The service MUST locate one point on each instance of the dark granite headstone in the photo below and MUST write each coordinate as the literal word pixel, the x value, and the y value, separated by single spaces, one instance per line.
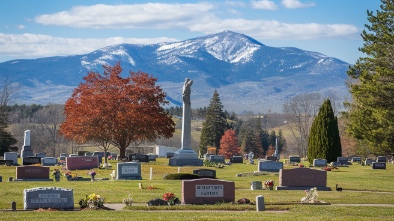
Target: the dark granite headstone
pixel 319 162
pixel 236 159
pixel 272 158
pixel 295 159
pixel 170 154
pixel 205 173
pixel 368 162
pixel 138 157
pixel 216 159
pixel 342 160
pixel 356 159
pixel 379 165
pixel 382 159
pixel 31 160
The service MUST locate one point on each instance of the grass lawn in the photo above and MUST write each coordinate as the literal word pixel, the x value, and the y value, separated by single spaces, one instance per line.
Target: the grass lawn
pixel 361 185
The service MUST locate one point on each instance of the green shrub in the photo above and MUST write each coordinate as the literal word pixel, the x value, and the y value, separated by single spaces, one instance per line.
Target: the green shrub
pixel 181 176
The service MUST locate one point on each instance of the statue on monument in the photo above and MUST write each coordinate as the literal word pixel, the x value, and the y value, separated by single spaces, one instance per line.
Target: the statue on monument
pixel 187 91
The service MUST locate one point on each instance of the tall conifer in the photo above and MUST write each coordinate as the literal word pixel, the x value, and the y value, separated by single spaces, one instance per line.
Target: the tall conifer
pixel 214 125
pixel 324 141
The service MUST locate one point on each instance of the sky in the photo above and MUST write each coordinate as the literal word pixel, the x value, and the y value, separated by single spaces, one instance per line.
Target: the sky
pixel 34 29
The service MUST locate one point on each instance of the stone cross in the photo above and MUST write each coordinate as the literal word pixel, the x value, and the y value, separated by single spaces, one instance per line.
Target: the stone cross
pixel 186 118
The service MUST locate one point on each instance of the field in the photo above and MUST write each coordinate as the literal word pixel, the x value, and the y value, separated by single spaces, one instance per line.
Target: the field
pixel 368 195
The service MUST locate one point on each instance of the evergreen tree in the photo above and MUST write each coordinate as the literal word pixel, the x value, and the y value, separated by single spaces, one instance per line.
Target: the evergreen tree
pixel 7 140
pixel 214 125
pixel 324 141
pixel 371 112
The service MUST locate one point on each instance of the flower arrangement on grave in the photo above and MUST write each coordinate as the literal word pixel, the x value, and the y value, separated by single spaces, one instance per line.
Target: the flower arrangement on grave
pixel 128 201
pixel 170 198
pixel 311 196
pixel 93 201
pixel 269 184
pixel 301 165
pixel 92 173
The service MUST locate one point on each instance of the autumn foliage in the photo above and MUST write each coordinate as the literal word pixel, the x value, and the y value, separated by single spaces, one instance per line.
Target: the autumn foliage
pixel 110 109
pixel 229 145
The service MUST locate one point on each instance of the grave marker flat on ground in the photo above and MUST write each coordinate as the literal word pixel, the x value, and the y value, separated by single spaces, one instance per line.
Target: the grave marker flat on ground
pixel 206 173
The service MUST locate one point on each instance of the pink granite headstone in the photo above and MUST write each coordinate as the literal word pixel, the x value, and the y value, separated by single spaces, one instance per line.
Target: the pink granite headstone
pixel 207 191
pixel 82 162
pixel 32 172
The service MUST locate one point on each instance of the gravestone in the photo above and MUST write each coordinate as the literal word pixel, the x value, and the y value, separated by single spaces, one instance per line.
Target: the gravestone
pixel 335 164
pixel 31 160
pixel 295 159
pixel 87 154
pixel 319 162
pixel 207 191
pixel 205 173
pixel 170 154
pixel 48 197
pixel 49 161
pixel 256 185
pixel 152 157
pixel 368 162
pixel 162 151
pixel 207 156
pixel 26 149
pixel 128 171
pixel 11 156
pixel 138 157
pixel 302 179
pixel 32 173
pixel 82 162
pixel 272 158
pixel 379 165
pixel 356 159
pixel 40 155
pixel 73 155
pixel 270 166
pixel 216 159
pixel 236 159
pixel 382 159
pixel 342 160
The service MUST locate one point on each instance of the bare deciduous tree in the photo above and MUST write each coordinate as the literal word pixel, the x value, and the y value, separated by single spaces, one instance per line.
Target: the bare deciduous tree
pixel 48 120
pixel 300 111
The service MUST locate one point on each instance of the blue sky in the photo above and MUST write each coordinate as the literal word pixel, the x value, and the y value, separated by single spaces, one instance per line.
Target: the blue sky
pixel 33 29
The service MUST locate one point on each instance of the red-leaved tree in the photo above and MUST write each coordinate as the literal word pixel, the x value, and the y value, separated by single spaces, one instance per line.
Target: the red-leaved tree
pixel 110 110
pixel 229 144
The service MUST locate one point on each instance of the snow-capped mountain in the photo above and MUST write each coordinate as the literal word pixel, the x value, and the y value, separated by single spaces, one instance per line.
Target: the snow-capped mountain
pixel 247 74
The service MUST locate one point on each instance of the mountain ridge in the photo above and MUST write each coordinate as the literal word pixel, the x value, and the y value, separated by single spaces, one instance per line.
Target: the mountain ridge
pixel 247 74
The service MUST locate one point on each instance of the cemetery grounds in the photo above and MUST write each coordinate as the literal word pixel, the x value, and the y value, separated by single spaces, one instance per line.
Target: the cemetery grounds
pixel 367 195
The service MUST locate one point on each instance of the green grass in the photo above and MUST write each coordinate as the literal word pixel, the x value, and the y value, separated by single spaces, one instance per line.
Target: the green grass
pixel 361 184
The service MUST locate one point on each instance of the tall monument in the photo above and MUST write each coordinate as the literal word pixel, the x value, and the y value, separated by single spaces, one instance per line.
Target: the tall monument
pixel 26 149
pixel 186 156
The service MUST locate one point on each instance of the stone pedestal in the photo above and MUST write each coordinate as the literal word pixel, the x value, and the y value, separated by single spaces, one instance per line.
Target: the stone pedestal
pixel 26 152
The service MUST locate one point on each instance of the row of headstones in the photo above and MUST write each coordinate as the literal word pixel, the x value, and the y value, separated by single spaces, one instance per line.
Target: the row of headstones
pixel 380 162
pixel 197 191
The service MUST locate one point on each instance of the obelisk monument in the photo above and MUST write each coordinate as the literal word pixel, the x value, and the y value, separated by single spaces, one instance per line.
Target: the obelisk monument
pixel 186 155
pixel 26 149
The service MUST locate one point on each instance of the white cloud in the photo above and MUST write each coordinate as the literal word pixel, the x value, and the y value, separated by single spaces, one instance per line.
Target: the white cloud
pixel 20 27
pixel 150 15
pixel 33 45
pixel 264 29
pixel 296 4
pixel 264 4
